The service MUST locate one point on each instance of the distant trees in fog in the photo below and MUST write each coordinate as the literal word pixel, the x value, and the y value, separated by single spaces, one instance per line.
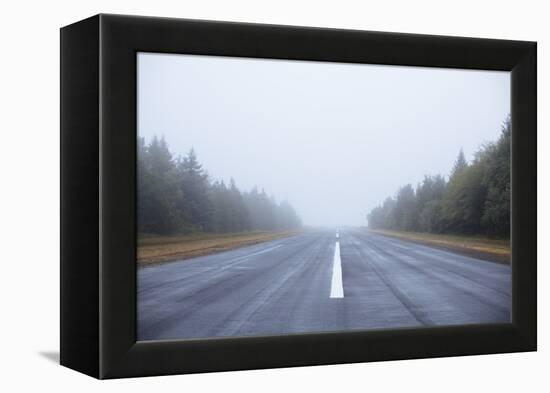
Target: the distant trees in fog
pixel 475 199
pixel 176 195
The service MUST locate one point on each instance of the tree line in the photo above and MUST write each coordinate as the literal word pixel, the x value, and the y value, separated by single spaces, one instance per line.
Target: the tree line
pixel 474 200
pixel 177 196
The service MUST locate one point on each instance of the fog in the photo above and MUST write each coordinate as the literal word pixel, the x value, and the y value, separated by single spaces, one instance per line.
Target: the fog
pixel 333 139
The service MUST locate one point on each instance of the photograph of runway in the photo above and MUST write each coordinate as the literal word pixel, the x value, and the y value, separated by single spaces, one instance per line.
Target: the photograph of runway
pixel 277 196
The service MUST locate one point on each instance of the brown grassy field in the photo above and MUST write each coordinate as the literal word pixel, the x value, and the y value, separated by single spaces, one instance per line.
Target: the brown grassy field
pixel 496 250
pixel 158 249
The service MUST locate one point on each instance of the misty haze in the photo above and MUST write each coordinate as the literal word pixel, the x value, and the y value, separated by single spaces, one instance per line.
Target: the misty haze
pixel 332 139
pixel 279 197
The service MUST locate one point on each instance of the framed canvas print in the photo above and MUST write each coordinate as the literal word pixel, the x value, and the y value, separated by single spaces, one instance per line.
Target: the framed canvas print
pixel 239 196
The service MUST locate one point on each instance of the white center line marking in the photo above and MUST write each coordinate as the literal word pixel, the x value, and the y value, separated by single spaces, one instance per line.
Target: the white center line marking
pixel 337 288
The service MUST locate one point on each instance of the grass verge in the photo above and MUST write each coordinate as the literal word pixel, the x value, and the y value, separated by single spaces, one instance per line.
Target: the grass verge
pixel 495 250
pixel 159 249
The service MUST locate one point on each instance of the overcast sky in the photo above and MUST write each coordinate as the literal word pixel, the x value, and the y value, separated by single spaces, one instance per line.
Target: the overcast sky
pixel 333 139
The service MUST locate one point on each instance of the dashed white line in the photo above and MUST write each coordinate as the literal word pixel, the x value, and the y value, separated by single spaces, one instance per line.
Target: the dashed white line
pixel 235 261
pixel 337 287
pixel 245 257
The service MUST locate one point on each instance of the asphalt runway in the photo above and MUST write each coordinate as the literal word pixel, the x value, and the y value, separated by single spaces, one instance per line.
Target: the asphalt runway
pixel 319 281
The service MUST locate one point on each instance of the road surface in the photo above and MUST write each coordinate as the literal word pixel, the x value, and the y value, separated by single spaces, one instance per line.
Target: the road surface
pixel 319 281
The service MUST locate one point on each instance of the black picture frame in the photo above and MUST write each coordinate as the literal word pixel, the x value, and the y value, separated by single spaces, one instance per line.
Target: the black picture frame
pixel 98 198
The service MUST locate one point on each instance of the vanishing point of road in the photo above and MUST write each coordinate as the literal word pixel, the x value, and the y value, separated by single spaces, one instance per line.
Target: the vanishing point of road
pixel 319 281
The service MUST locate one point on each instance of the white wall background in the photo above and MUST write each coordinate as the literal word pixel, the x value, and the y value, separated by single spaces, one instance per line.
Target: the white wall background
pixel 29 280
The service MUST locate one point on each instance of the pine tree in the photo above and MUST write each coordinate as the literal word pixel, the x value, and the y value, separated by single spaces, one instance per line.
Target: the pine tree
pixel 460 164
pixel 194 187
pixel 160 158
pixel 496 215
pixel 405 213
pixel 157 191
